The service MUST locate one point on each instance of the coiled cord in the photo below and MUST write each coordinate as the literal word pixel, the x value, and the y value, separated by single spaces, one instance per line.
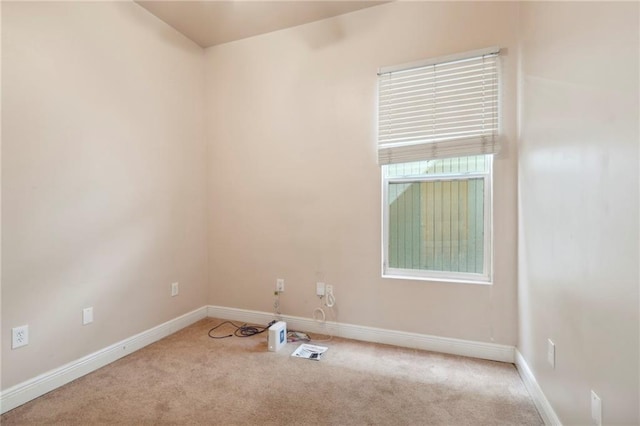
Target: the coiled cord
pixel 331 300
pixel 241 330
pixel 328 301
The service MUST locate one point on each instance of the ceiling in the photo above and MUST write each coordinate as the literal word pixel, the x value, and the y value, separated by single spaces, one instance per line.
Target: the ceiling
pixel 214 22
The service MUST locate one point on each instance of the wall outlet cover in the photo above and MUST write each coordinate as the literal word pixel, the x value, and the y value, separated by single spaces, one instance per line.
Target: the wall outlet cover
pixel 175 289
pixel 19 336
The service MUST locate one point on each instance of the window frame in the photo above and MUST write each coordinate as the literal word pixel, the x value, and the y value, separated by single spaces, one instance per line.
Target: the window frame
pixel 442 276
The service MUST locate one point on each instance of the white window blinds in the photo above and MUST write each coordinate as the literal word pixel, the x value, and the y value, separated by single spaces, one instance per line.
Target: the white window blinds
pixel 447 107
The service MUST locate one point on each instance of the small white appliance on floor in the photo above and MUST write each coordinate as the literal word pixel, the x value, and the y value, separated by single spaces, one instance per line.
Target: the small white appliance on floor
pixel 277 336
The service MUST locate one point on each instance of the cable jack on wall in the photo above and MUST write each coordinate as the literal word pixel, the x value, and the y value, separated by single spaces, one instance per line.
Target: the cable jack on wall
pixel 276 304
pixel 327 300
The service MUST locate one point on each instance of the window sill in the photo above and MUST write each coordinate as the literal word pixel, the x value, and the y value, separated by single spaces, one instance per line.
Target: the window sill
pixel 437 279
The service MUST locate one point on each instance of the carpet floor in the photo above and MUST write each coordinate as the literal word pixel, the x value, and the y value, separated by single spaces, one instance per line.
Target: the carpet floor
pixel 189 378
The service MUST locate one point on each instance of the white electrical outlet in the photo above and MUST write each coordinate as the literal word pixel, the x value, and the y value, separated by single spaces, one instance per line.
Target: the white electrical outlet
pixel 551 353
pixel 329 288
pixel 175 289
pixel 20 336
pixel 87 315
pixel 596 409
pixel 319 289
pixel 280 285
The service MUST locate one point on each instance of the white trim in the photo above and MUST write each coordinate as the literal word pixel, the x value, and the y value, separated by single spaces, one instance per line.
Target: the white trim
pixel 408 274
pixel 483 350
pixel 542 404
pixel 46 382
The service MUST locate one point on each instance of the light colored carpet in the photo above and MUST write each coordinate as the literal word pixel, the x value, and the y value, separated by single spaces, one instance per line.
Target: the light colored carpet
pixel 189 378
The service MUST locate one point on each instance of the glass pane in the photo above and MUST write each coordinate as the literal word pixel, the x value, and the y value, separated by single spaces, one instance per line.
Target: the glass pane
pixel 477 163
pixel 437 225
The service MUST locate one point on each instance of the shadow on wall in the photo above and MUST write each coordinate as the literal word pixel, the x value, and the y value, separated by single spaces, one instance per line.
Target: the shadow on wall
pixel 320 36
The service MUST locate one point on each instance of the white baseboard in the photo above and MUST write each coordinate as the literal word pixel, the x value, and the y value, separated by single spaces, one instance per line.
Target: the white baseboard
pixel 542 404
pixel 38 386
pixel 46 382
pixel 490 351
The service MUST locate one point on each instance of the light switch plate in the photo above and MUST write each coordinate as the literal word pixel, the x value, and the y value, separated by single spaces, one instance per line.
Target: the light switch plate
pixel 87 315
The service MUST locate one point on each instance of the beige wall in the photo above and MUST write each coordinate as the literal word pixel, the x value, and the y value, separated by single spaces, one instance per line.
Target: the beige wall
pixel 111 192
pixel 103 178
pixel 293 181
pixel 578 218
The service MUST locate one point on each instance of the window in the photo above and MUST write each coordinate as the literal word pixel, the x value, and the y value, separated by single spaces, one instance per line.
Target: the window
pixel 438 129
pixel 437 217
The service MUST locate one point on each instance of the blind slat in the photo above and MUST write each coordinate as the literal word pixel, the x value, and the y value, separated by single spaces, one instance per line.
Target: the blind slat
pixel 441 110
pixel 421 110
pixel 456 148
pixel 430 96
pixel 428 129
pixel 427 117
pixel 427 77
